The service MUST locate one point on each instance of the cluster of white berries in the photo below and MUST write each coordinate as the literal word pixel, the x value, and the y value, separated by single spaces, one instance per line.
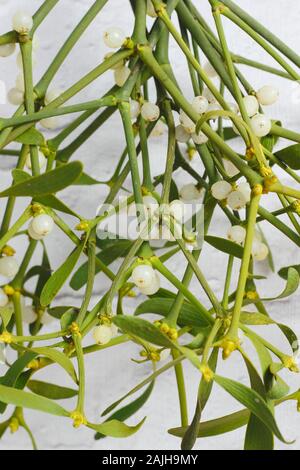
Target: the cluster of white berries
pixel 104 333
pixel 146 279
pixel 40 226
pixel 53 122
pixel 236 198
pixel 266 96
pixel 8 266
pixel 237 234
pixel 187 127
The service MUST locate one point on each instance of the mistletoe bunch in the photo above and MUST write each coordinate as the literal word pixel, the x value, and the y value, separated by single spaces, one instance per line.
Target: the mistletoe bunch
pixel 199 328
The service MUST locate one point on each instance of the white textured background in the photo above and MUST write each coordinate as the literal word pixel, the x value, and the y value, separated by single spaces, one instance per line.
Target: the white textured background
pixel 111 373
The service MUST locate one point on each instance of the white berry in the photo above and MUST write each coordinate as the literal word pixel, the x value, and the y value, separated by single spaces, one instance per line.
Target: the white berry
pixel 114 37
pixel 15 97
pixel 181 134
pixel 8 266
pixel 251 105
pixel 7 49
pixel 33 234
pixel 51 123
pixel 221 190
pixel 267 95
pixel 237 234
pixel 187 122
pixel 245 189
pixel 159 129
pixel 121 75
pixel 260 250
pixel 102 334
pixel 22 22
pixel 29 315
pixel 209 70
pixel 230 168
pixel 155 286
pixel 199 138
pixel 42 161
pixel 151 10
pixel 135 109
pixel 3 298
pixel 200 104
pixel 150 111
pixel 176 210
pixel 143 276
pixel 236 200
pixel 46 319
pixel 261 125
pixel 42 224
pixel 190 192
pixel 52 95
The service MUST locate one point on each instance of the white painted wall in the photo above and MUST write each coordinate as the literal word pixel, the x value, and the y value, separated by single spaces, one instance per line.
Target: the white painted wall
pixel 112 373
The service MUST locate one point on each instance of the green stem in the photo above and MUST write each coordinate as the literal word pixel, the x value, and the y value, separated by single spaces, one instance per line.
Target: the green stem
pixel 181 389
pixel 254 205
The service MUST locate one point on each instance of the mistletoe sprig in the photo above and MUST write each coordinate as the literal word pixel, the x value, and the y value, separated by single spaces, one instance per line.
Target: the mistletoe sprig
pixel 190 327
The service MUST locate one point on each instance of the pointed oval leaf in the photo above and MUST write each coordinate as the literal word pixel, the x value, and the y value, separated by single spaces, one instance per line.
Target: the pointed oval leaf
pixel 57 280
pixel 130 409
pixel 116 428
pixel 221 244
pixel 290 156
pixel 292 285
pixel 31 137
pixel 51 391
pixel 23 399
pixel 217 426
pixel 252 400
pixel 142 329
pixel 60 358
pixel 47 183
pixel 189 315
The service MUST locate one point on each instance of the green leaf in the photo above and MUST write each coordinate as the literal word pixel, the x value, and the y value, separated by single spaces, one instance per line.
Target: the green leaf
pixel 142 329
pixel 86 180
pixel 31 137
pixel 6 314
pixel 251 400
pixel 57 280
pixel 56 204
pixel 13 373
pixel 290 156
pixel 205 388
pixel 221 244
pixel 113 251
pixel 52 391
pixel 56 356
pixel 189 314
pixel 258 435
pixel 283 272
pixel 251 318
pixel 130 409
pixel 46 183
pixel 68 317
pixel 292 285
pixel 229 133
pixel 192 431
pixel 116 428
pixel 218 426
pixel 29 400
